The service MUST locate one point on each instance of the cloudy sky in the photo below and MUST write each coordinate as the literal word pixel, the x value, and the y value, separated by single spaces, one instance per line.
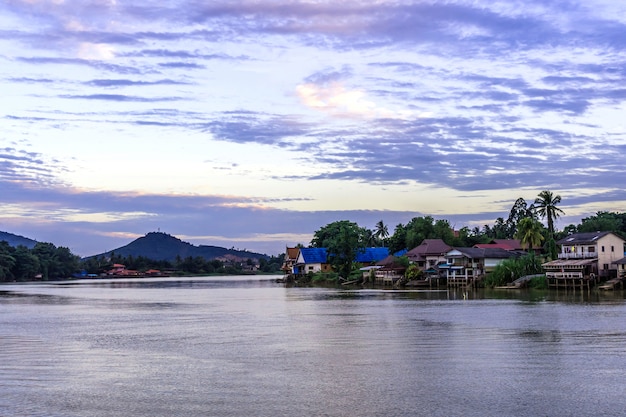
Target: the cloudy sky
pixel 251 124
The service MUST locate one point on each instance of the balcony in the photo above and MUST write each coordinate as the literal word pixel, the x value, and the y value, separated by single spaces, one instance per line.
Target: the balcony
pixel 577 255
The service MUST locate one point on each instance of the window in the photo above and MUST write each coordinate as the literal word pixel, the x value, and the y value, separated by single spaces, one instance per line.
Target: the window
pixel 591 249
pixel 605 267
pixel 612 248
pixel 602 249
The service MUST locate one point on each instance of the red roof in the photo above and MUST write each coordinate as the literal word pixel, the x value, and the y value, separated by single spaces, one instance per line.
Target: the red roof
pixel 493 245
pixel 514 244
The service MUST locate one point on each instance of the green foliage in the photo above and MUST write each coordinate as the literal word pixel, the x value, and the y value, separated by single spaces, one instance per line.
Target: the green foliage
pixel 413 273
pixel 418 229
pixel 26 264
pixel 539 283
pixel 546 207
pixel 323 278
pixel 550 249
pixel 343 240
pixel 511 269
pixel 7 261
pixel 529 233
pixel 403 260
pixel 604 221
pixel 381 234
pixel 397 241
pixel 22 264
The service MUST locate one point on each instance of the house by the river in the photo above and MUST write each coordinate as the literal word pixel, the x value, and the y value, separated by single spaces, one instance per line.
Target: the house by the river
pixel 584 259
pixel 468 266
pixel 302 261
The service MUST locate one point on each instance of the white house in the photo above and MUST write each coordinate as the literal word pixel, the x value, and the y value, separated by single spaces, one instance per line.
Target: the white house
pixel 586 256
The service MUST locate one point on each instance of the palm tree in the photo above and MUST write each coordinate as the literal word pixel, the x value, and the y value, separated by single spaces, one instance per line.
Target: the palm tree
pixel 382 232
pixel 546 206
pixel 529 233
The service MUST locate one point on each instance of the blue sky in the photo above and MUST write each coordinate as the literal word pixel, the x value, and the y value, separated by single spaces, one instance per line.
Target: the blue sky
pixel 251 124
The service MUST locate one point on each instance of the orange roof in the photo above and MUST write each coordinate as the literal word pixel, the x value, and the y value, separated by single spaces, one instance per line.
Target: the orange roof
pixel 292 253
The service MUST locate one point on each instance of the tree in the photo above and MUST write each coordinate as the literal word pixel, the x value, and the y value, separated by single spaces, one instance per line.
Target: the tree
pixel 382 232
pixel 603 221
pixel 26 264
pixel 397 241
pixel 501 229
pixel 529 233
pixel 343 240
pixel 442 230
pixel 418 229
pixel 546 206
pixel 7 261
pixel 519 211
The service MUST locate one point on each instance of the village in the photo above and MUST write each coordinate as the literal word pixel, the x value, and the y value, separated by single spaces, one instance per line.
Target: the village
pixel 584 261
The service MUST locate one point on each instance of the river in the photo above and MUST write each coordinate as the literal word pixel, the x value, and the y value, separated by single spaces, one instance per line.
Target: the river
pixel 247 346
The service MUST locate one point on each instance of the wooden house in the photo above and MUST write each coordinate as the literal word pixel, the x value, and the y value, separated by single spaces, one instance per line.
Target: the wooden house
pixel 429 254
pixel 291 257
pixel 467 266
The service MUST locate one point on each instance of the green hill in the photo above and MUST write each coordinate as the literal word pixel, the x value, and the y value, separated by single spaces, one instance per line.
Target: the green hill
pixel 16 240
pixel 163 247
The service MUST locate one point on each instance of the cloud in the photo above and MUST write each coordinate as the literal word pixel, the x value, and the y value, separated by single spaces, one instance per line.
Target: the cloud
pixel 91 51
pixel 337 100
pixel 133 83
pixel 119 97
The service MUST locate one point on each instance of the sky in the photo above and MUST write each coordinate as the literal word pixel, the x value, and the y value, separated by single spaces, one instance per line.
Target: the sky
pixel 252 124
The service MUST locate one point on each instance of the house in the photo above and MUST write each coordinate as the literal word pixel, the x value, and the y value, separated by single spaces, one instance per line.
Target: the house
pixel 429 254
pixel 584 259
pixel 311 260
pixel 388 271
pixel 467 266
pixel 291 256
pixel 299 261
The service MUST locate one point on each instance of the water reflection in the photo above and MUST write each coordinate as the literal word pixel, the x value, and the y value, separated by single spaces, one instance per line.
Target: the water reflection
pixel 215 346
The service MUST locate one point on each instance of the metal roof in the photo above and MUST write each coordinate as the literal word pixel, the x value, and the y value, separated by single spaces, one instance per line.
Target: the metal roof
pixel 558 263
pixel 582 238
pixel 480 253
pixel 314 255
pixel 372 255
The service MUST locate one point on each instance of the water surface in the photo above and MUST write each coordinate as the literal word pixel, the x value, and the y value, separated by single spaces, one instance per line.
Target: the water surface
pixel 242 346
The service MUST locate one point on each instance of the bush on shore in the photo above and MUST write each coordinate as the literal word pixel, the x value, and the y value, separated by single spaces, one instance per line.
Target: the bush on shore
pixel 511 269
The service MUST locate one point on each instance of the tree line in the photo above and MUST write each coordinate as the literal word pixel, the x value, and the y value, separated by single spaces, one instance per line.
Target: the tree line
pixel 46 261
pixel 196 265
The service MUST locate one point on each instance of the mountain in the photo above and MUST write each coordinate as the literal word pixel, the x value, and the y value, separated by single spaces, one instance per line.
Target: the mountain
pixel 16 240
pixel 163 247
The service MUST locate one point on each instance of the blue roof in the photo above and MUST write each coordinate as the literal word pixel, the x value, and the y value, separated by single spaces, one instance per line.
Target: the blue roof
pixel 313 255
pixel 320 255
pixel 372 255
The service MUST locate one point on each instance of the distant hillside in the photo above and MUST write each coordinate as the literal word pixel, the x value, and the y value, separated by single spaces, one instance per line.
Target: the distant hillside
pixel 163 247
pixel 16 240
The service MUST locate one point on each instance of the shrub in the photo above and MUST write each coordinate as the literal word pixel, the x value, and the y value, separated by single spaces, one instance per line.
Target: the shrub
pixel 511 269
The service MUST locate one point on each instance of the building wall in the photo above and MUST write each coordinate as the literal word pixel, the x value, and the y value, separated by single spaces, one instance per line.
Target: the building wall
pixel 610 249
